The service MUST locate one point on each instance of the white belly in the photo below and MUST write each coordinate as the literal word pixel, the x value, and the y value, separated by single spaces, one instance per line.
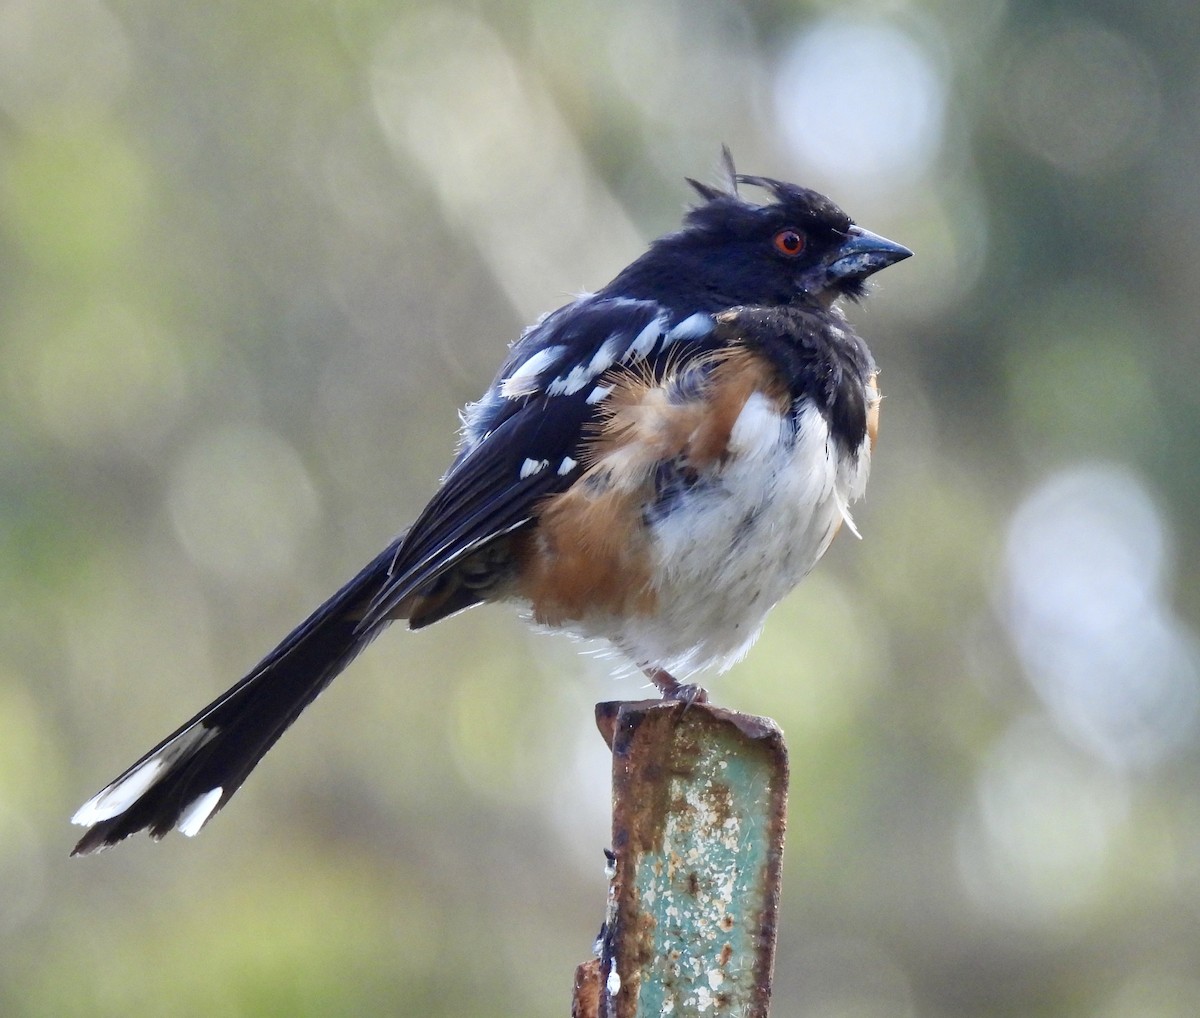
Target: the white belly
pixel 726 554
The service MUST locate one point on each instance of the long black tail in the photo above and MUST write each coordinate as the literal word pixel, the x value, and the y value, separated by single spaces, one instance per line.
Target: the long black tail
pixel 192 773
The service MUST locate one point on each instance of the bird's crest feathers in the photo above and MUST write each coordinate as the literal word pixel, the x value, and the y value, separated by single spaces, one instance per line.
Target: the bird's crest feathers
pixel 723 200
pixel 728 186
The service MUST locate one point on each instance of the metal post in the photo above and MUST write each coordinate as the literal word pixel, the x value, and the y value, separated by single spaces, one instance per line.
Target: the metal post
pixel 699 805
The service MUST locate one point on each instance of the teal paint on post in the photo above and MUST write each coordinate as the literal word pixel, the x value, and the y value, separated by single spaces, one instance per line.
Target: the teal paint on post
pixel 699 800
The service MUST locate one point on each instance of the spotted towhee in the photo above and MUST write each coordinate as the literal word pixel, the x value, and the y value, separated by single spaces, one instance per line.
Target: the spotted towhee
pixel 656 464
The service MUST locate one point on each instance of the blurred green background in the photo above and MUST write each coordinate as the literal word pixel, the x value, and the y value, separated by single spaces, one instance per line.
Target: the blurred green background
pixel 254 255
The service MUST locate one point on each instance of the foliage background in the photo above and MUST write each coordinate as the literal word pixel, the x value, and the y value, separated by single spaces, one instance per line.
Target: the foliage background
pixel 253 256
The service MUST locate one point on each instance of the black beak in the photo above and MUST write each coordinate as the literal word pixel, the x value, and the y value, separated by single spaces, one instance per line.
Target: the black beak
pixel 862 254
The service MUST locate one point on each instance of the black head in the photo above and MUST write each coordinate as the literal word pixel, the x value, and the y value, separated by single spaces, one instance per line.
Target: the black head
pixel 798 248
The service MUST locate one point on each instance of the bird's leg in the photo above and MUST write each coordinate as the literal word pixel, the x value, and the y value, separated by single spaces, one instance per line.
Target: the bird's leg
pixel 672 689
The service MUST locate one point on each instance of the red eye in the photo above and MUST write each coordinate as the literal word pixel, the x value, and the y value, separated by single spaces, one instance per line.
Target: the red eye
pixel 789 242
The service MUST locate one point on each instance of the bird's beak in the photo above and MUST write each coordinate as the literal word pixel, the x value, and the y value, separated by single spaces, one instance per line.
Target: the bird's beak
pixel 864 253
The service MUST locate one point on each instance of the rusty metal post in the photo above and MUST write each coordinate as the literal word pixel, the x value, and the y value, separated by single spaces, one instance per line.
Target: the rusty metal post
pixel 699 803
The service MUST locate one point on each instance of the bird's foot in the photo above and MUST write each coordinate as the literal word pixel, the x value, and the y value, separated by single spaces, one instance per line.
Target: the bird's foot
pixel 672 689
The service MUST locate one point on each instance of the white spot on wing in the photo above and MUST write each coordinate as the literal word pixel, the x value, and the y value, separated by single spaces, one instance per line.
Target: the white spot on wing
pixel 599 393
pixel 606 356
pixel 531 467
pixel 692 327
pixel 524 380
pixel 566 466
pixel 201 808
pixel 569 383
pixel 645 340
pixel 583 374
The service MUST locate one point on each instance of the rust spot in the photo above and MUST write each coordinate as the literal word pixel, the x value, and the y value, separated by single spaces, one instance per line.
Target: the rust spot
pixel 726 953
pixel 586 1000
pixel 726 924
pixel 693 884
pixel 720 801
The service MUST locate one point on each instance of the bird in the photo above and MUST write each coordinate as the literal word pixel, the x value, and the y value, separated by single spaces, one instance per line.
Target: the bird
pixel 655 464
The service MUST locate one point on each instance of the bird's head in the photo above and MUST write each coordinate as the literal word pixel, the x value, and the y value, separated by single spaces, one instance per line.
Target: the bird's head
pixel 797 248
